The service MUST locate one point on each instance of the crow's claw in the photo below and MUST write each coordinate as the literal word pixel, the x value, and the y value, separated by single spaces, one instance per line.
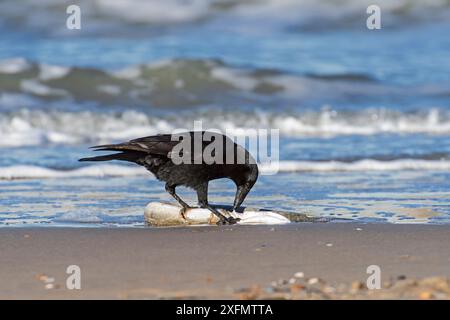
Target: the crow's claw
pixel 229 220
pixel 183 211
pixel 232 220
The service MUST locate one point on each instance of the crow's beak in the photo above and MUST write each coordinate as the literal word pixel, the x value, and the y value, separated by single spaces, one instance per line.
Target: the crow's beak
pixel 241 193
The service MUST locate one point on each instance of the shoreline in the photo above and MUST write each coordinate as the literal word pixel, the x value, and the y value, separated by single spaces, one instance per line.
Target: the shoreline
pixel 213 262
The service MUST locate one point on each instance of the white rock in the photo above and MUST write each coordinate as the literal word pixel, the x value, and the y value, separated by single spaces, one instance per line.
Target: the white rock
pixel 49 280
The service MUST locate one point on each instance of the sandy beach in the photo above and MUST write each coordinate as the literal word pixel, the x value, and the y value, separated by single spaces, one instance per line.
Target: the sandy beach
pixel 237 262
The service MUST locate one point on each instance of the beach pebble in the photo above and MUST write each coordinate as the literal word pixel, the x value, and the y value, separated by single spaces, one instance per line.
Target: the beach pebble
pixel 49 286
pixel 357 285
pixel 269 290
pixel 436 283
pixel 292 280
pixel 49 280
pixel 317 288
pixel 426 295
pixel 329 244
pixel 440 296
pixel 299 275
pixel 329 289
pixel 41 277
pixel 297 287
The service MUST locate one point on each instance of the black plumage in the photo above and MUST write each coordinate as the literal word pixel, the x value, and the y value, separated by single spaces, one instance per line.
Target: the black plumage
pixel 161 154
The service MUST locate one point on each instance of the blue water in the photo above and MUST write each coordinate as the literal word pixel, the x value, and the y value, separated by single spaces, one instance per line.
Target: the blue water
pixel 363 114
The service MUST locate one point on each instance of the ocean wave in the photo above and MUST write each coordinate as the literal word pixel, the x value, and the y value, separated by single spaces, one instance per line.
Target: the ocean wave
pixel 37 172
pixel 38 127
pixel 361 165
pixel 105 15
pixel 182 84
pixel 161 84
pixel 109 170
pixel 174 83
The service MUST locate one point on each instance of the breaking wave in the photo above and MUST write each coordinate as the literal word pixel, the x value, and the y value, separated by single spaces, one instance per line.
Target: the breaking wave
pixel 362 165
pixel 186 84
pixel 37 172
pixel 177 83
pixel 104 15
pixel 38 127
pixel 107 170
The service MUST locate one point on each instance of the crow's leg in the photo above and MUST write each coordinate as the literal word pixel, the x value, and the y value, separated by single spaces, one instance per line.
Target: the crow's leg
pixel 171 190
pixel 202 194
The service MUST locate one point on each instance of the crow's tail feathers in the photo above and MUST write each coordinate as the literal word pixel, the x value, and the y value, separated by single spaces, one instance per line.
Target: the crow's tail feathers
pixel 124 156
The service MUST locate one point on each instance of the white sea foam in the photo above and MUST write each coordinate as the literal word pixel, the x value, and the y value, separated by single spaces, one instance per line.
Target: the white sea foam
pixel 234 76
pixel 36 172
pixel 145 85
pixel 154 11
pixel 13 65
pixel 112 170
pixel 362 165
pixel 79 216
pixel 105 15
pixel 34 87
pixel 48 72
pixel 38 127
pixel 180 11
pixel 109 89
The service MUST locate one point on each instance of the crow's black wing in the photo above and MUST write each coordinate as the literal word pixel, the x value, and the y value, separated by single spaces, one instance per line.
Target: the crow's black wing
pixel 158 145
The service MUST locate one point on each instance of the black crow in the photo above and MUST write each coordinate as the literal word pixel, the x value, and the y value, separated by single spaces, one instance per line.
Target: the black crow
pixel 190 159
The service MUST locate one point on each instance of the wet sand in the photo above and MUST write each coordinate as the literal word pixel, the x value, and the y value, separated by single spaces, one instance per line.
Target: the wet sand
pixel 218 262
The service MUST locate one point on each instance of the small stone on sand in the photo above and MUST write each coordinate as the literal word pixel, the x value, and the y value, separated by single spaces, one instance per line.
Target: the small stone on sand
pixel 425 295
pixel 49 280
pixel 357 285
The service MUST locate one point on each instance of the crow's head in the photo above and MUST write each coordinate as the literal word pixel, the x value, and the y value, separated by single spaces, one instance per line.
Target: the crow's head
pixel 248 174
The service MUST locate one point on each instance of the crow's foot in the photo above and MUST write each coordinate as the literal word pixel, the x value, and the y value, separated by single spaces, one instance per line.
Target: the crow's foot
pixel 227 220
pixel 183 211
pixel 222 219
